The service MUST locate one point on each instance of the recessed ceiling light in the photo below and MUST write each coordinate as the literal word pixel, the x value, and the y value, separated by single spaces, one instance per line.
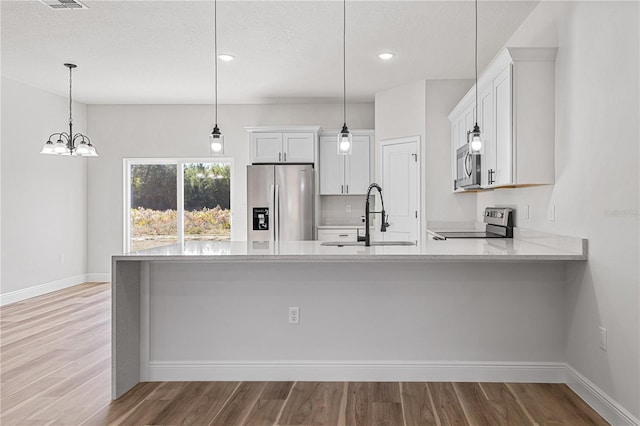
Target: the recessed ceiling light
pixel 226 58
pixel 386 55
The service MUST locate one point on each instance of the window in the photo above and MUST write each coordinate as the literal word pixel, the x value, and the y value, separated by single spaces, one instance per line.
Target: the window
pixel 170 201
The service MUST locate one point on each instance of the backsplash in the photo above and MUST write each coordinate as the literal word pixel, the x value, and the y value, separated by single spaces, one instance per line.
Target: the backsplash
pixel 333 209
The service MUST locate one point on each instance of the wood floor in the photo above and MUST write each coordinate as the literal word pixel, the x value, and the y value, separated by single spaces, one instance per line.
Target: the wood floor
pixel 55 370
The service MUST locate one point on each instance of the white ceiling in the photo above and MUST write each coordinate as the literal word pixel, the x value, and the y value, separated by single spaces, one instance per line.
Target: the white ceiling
pixel 162 51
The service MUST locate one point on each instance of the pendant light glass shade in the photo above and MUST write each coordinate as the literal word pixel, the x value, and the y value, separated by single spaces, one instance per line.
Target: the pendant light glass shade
pixel 345 141
pixel 475 140
pixel 216 142
pixel 47 148
pixel 83 148
pixel 60 147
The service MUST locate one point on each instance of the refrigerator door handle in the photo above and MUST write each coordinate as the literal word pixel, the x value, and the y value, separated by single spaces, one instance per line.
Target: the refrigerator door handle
pixel 272 215
pixel 276 219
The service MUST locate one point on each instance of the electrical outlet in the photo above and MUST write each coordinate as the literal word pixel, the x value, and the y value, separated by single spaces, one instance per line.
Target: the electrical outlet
pixel 294 315
pixel 551 213
pixel 348 208
pixel 603 338
pixel 525 212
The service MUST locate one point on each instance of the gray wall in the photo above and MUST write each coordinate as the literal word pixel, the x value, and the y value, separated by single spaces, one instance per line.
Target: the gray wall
pixel 44 197
pixel 127 131
pixel 597 182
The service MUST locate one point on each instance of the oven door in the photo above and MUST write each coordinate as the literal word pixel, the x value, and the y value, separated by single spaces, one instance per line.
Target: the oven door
pixel 468 169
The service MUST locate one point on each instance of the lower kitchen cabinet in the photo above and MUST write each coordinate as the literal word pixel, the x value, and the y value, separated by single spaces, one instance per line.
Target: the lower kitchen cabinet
pixel 338 234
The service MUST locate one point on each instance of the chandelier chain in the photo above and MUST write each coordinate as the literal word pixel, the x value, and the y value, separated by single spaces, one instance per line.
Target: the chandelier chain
pixel 70 116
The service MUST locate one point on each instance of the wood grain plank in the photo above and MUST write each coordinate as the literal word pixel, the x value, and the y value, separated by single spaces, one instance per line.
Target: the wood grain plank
pixel 359 410
pixel 313 403
pixel 553 404
pixel 418 407
pixel 475 405
pixel 504 404
pixel 117 411
pixel 268 406
pixel 387 414
pixel 446 403
pixel 237 408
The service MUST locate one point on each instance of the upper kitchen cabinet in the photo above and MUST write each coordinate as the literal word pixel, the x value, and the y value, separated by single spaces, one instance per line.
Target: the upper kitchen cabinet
pixel 283 144
pixel 516 104
pixel 346 174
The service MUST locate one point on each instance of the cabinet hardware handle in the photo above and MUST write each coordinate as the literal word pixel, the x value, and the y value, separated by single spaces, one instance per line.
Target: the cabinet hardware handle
pixel 285 156
pixel 347 189
pixel 491 178
pixel 279 156
pixel 342 189
pixel 343 235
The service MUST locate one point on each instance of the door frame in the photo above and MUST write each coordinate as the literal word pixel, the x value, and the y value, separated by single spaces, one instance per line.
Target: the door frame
pixel 397 141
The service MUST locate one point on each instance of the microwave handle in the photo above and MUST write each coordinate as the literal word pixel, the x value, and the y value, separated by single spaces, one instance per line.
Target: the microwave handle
pixel 467 164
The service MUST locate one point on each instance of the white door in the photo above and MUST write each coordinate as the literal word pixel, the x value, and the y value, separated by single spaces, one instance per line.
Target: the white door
pixel 298 147
pixel 358 166
pixel 503 120
pixel 401 188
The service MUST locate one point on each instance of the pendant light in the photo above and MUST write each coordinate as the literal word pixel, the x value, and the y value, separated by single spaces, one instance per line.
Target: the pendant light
pixel 475 143
pixel 345 139
pixel 65 143
pixel 216 139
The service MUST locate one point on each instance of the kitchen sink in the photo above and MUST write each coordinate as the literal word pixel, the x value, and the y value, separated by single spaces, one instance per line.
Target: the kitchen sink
pixel 373 243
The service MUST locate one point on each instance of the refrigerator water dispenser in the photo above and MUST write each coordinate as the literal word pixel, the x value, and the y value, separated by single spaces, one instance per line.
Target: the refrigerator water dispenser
pixel 260 218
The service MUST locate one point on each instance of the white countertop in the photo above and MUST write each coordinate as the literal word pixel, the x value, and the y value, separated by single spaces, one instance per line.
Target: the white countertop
pixel 427 250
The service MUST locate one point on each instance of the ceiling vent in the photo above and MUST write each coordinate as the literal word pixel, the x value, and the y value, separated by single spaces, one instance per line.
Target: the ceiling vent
pixel 64 4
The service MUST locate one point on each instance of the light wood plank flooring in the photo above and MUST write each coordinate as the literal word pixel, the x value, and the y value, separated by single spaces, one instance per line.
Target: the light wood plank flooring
pixel 55 370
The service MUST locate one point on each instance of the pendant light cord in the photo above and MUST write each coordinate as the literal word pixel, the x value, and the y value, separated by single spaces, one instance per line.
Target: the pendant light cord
pixel 215 58
pixel 476 61
pixel 70 116
pixel 344 60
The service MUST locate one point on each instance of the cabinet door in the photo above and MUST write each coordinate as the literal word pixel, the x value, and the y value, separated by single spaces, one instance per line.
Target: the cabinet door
pixel 462 131
pixel 266 147
pixel 503 130
pixel 358 166
pixel 331 167
pixel 486 118
pixel 298 148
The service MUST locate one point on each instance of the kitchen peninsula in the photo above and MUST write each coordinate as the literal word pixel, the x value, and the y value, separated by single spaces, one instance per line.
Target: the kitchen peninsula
pixel 218 311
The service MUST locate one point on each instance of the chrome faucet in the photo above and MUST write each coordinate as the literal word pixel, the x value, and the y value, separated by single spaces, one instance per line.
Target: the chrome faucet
pixel 368 212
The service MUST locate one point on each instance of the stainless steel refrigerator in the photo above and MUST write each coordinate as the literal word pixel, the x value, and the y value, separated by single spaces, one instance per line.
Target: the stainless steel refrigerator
pixel 280 201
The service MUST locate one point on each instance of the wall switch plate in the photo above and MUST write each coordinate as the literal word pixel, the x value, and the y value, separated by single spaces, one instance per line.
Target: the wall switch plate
pixel 551 213
pixel 294 315
pixel 603 338
pixel 525 211
pixel 348 208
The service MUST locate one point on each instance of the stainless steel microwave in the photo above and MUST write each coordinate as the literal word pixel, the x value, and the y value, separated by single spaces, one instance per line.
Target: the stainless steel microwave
pixel 468 169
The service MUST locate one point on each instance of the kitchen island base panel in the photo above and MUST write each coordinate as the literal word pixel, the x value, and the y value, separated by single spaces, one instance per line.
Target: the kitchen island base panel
pixel 360 321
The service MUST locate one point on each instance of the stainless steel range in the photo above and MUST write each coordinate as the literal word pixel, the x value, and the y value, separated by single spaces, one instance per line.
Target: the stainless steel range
pixel 499 224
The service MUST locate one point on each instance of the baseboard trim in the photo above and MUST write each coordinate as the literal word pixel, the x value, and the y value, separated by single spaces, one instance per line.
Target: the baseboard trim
pixel 40 289
pixel 98 277
pixel 606 406
pixel 550 372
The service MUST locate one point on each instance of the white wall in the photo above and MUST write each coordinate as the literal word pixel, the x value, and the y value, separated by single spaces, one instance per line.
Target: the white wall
pixel 125 131
pixel 44 197
pixel 421 109
pixel 597 182
pixel 442 204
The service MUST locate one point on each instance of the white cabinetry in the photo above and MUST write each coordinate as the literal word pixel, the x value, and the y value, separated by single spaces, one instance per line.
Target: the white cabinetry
pixel 345 174
pixel 516 100
pixel 283 145
pixel 341 234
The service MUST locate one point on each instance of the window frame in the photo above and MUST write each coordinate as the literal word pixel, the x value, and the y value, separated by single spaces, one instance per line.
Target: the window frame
pixel 179 163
